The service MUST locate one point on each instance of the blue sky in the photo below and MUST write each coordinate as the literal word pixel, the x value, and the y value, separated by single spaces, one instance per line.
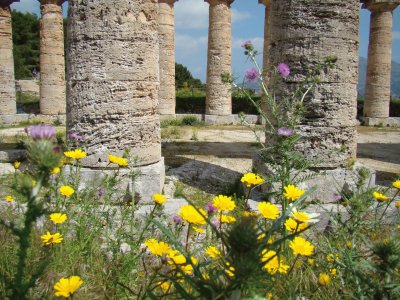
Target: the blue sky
pixel 191 23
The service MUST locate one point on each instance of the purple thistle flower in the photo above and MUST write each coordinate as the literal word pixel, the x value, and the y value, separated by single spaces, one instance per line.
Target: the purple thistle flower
pixel 210 208
pixel 283 70
pixel 337 197
pixel 100 192
pixel 215 223
pixel 252 75
pixel 246 44
pixel 177 220
pixel 56 149
pixel 286 132
pixel 74 136
pixel 41 132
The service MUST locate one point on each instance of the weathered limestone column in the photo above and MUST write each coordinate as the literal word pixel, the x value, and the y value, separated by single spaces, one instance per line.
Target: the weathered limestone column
pixel 219 98
pixel 267 25
pixel 52 64
pixel 302 37
pixel 8 104
pixel 266 66
pixel 377 96
pixel 166 30
pixel 112 84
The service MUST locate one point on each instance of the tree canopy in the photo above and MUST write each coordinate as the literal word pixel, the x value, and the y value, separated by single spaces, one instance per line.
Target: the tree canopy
pixel 26 39
pixel 183 78
pixel 26 44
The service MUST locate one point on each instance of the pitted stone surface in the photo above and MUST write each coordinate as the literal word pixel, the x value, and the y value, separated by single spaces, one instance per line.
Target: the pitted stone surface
pixel 166 104
pixel 377 93
pixel 300 37
pixel 113 78
pixel 52 63
pixel 7 79
pixel 218 94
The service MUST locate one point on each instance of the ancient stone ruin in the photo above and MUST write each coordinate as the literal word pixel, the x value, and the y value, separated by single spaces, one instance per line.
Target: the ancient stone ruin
pixel 120 71
pixel 52 64
pixel 377 94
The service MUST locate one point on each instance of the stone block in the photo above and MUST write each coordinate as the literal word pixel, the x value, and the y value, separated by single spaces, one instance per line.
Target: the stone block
pixel 8 120
pixel 230 119
pixel 11 156
pixel 381 122
pixel 150 179
pixel 6 169
pixel 327 182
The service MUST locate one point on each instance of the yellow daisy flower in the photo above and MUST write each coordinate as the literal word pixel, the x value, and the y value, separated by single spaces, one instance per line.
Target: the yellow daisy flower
pixel 157 248
pixel 213 252
pixel 75 154
pixel 159 198
pixel 9 198
pixel 301 246
pixel 251 179
pixel 223 203
pixel 226 219
pixel 120 161
pixel 268 210
pixel 165 286
pixel 58 218
pixel 380 197
pixel 49 239
pixel 66 190
pixel 324 279
pixel 292 226
pixel 292 192
pixel 396 184
pixel 55 170
pixel 17 164
pixel 274 263
pixel 65 287
pixel 193 216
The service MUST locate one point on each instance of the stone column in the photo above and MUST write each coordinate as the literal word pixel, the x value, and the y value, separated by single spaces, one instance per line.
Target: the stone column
pixel 267 18
pixel 302 37
pixel 219 98
pixel 7 79
pixel 52 64
pixel 266 66
pixel 377 95
pixel 112 84
pixel 166 30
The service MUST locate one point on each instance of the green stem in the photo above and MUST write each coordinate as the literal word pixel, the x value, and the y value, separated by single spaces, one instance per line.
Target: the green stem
pixel 32 213
pixel 147 223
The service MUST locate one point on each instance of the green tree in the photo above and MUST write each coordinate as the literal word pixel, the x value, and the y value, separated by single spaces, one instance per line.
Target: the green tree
pixel 26 43
pixel 183 78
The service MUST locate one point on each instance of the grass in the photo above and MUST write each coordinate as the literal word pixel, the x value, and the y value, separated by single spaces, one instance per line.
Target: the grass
pixel 27 98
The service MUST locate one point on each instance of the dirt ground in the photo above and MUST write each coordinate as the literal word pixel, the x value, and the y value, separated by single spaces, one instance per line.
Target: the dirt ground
pixel 229 149
pixel 232 148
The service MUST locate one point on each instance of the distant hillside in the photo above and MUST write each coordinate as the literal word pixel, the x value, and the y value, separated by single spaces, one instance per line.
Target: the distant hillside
pixel 395 79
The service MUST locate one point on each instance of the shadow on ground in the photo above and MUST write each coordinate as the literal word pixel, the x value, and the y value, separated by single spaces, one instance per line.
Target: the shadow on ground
pixel 382 152
pixel 198 164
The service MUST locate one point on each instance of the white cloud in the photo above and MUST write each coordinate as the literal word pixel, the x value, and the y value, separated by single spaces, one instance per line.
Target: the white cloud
pixel 396 35
pixel 189 44
pixel 239 16
pixel 191 14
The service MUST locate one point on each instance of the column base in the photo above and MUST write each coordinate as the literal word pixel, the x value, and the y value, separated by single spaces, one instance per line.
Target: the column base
pixel 230 119
pixel 381 122
pixel 327 182
pixel 149 181
pixel 11 120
